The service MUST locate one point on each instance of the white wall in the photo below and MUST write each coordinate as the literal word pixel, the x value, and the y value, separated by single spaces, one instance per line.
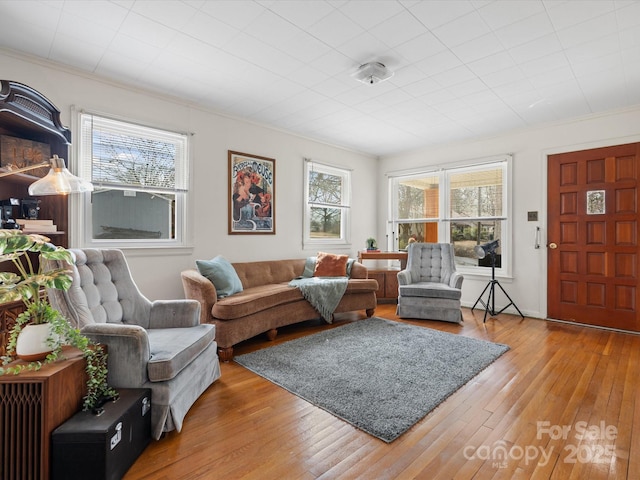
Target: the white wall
pixel 530 148
pixel 158 272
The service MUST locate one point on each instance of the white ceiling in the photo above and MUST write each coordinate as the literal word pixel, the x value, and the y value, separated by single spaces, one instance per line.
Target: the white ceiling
pixel 463 68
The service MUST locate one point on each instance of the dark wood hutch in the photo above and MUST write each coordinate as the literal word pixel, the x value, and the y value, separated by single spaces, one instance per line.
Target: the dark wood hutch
pixel 26 114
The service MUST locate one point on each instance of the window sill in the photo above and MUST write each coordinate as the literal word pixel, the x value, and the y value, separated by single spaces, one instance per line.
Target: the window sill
pixel 151 251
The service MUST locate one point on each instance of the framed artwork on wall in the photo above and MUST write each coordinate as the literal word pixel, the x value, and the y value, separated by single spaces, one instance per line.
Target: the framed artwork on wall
pixel 252 181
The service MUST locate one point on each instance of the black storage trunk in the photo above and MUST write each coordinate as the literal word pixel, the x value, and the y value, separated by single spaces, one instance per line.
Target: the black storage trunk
pixel 103 446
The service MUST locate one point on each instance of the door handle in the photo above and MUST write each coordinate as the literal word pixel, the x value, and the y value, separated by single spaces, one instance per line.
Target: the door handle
pixel 553 246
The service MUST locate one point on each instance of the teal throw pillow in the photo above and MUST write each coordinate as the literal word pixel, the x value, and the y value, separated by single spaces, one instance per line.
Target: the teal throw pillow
pixel 222 274
pixel 309 266
pixel 349 265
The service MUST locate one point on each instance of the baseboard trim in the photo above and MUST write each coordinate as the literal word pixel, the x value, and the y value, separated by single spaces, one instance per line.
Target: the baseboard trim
pixel 598 327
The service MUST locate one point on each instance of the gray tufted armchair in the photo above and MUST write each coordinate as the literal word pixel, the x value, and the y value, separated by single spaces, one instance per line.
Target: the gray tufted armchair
pixel 159 345
pixel 429 287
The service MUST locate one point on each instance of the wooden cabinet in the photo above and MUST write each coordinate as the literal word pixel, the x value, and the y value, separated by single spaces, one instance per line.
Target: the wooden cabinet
pixel 387 284
pixel 387 277
pixel 32 405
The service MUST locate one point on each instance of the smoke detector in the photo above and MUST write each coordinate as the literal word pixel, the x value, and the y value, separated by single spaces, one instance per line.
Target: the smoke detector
pixel 371 73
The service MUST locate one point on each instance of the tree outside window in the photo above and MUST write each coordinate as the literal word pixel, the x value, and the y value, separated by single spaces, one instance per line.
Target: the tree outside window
pixel 327 204
pixel 465 206
pixel 140 180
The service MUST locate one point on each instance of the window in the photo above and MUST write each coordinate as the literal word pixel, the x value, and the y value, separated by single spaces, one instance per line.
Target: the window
pixel 465 206
pixel 140 176
pixel 327 198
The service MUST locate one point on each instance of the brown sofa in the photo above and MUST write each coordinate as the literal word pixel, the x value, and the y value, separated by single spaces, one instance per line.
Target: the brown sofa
pixel 267 302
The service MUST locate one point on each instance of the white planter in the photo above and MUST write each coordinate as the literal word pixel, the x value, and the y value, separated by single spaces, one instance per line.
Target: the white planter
pixel 32 342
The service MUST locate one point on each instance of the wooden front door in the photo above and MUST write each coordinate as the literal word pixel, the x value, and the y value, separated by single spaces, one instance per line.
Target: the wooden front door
pixel 592 243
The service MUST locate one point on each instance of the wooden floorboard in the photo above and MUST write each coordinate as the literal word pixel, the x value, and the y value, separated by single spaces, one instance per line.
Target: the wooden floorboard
pixel 560 404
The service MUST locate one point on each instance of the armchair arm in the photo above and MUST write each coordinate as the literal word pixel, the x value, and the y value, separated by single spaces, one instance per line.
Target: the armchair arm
pixel 174 314
pixel 198 287
pixel 456 280
pixel 404 277
pixel 127 350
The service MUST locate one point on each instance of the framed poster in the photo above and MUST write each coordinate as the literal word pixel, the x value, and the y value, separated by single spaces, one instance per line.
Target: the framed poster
pixel 252 181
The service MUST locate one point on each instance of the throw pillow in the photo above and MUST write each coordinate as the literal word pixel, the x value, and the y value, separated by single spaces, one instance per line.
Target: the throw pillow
pixel 350 263
pixel 330 265
pixel 309 267
pixel 222 274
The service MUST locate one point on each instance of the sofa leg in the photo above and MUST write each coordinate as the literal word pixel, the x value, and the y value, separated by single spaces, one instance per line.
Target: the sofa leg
pixel 225 354
pixel 370 312
pixel 271 334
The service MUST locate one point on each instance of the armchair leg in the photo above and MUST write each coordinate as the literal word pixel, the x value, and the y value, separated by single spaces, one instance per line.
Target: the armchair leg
pixel 225 354
pixel 370 312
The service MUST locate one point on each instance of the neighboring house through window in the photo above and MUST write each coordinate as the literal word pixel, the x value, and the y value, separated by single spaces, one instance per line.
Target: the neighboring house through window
pixel 140 176
pixel 465 205
pixel 327 203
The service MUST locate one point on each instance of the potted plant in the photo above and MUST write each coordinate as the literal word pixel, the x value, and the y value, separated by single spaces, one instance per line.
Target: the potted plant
pixel 28 285
pixel 372 244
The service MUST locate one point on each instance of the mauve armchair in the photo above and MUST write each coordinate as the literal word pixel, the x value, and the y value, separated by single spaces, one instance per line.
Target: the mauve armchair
pixel 159 345
pixel 429 287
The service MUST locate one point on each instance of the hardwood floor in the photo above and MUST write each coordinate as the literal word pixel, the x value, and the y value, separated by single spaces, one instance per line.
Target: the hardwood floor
pixel 561 404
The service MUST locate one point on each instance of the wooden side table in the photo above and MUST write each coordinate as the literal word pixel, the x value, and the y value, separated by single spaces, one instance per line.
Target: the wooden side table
pixel 387 277
pixel 32 405
pixel 379 255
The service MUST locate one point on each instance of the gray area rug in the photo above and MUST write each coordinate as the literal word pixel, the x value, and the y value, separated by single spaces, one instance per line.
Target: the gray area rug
pixel 380 376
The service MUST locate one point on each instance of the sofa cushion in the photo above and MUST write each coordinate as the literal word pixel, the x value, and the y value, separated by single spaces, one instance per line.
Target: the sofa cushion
pixel 361 285
pixel 330 265
pixel 268 272
pixel 255 299
pixel 222 274
pixel 430 290
pixel 172 349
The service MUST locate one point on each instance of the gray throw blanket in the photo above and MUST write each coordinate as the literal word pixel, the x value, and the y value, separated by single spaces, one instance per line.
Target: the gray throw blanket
pixel 323 293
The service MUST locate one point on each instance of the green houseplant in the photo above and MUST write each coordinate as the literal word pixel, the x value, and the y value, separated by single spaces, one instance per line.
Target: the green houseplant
pixel 372 243
pixel 28 285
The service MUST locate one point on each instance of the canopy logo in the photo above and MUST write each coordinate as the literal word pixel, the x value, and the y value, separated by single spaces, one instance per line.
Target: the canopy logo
pixel 594 443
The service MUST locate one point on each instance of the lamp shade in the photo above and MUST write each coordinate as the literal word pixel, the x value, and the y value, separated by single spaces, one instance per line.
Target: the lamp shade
pixel 482 251
pixel 59 181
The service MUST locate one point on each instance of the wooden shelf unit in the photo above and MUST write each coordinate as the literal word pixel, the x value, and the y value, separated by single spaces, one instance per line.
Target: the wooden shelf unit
pixel 26 114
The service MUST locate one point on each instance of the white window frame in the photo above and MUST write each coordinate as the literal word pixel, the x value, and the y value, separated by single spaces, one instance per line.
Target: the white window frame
pixel 444 218
pixel 345 207
pixel 81 206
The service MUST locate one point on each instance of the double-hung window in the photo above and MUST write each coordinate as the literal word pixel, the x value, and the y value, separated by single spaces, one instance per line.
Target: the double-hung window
pixel 327 202
pixel 140 178
pixel 465 206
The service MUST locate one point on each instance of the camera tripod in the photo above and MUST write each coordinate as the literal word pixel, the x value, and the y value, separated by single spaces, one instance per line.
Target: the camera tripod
pixel 490 304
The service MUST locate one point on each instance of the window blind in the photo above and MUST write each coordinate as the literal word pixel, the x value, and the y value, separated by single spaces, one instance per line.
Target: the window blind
pixel 132 157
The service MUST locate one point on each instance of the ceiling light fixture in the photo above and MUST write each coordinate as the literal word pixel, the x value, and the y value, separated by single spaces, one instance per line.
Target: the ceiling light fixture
pixel 372 72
